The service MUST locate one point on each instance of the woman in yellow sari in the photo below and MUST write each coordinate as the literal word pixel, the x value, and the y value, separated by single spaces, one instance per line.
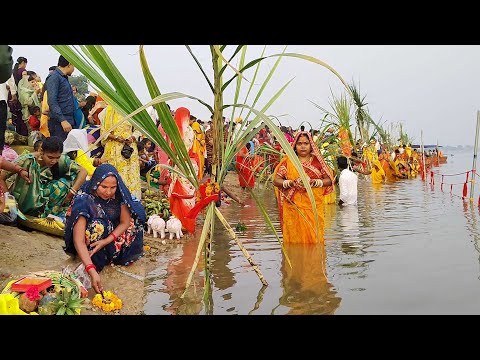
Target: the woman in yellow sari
pixel 129 169
pixel 199 146
pixel 297 218
pixel 377 172
pixel 44 118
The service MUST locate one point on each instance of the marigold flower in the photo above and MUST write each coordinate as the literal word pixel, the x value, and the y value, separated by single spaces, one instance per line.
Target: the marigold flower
pixel 110 302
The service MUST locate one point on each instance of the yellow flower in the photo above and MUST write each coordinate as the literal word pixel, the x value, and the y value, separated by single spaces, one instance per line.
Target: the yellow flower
pixel 146 248
pixel 108 303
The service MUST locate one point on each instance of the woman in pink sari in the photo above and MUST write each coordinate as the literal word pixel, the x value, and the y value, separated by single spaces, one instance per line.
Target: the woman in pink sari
pixel 182 191
pixel 161 158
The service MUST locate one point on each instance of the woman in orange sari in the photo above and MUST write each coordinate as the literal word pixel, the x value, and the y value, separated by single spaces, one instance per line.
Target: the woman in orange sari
pixel 297 218
pixel 182 191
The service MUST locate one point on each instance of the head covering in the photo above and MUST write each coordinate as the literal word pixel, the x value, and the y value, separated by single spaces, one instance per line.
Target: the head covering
pixel 378 164
pixel 105 170
pixel 318 156
pixel 77 139
pixel 182 118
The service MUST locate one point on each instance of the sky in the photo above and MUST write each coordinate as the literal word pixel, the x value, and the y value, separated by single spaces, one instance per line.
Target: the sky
pixel 433 88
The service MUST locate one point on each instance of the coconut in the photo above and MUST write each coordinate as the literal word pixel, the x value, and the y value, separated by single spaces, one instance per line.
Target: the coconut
pixel 26 304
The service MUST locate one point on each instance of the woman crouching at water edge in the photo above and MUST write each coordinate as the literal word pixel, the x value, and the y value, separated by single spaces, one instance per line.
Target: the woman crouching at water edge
pixel 104 224
pixel 296 212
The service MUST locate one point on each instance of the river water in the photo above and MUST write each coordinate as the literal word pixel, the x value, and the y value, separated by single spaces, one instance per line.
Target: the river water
pixel 406 248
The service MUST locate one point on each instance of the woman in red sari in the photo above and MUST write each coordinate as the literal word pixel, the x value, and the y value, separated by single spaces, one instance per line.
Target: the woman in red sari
pixel 297 218
pixel 246 177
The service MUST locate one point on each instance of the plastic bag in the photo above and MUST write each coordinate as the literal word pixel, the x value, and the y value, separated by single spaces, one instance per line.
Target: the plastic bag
pixel 9 214
pixel 83 276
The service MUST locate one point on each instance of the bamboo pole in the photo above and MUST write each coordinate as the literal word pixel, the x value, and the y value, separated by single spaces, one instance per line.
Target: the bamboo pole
pixel 474 166
pixel 244 251
pixel 423 158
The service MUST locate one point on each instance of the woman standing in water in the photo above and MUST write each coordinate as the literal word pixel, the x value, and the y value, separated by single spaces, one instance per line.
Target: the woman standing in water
pixel 297 217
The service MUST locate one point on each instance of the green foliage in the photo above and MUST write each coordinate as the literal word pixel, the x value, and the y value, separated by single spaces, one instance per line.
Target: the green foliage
pixel 67 303
pixel 81 82
pixel 240 227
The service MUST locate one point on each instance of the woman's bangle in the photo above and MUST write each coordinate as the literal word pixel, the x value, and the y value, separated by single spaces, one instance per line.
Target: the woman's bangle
pixel 73 191
pixel 287 184
pixel 318 183
pixel 90 266
pixel 19 170
pixel 114 236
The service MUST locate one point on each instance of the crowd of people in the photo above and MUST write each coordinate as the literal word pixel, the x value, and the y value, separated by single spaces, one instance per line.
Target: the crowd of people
pixel 96 189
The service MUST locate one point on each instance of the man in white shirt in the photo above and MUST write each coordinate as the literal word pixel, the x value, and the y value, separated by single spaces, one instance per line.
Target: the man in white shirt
pixel 3 107
pixel 153 114
pixel 347 183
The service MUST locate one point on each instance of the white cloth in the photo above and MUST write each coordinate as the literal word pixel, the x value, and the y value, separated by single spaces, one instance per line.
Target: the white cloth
pixel 77 139
pixel 3 89
pixel 153 113
pixel 348 187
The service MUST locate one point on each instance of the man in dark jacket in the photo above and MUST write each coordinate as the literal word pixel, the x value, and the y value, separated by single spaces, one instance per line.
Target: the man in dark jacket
pixel 60 99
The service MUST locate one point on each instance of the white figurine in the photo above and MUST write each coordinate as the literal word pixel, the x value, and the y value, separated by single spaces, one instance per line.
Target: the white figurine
pixel 174 227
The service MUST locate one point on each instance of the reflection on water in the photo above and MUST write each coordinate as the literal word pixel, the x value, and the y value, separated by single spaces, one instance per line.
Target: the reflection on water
pixel 306 289
pixel 406 248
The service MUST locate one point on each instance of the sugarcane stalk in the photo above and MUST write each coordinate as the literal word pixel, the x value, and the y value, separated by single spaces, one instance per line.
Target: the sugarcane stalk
pixel 217 121
pixel 207 289
pixel 261 292
pixel 205 233
pixel 244 251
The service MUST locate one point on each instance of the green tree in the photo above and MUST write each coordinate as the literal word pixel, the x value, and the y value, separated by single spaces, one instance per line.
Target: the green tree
pixel 81 82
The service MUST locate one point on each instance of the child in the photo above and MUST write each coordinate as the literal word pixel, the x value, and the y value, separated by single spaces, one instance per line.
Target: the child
pixel 34 122
pixel 145 156
pixel 149 148
pixel 142 156
pixel 37 146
